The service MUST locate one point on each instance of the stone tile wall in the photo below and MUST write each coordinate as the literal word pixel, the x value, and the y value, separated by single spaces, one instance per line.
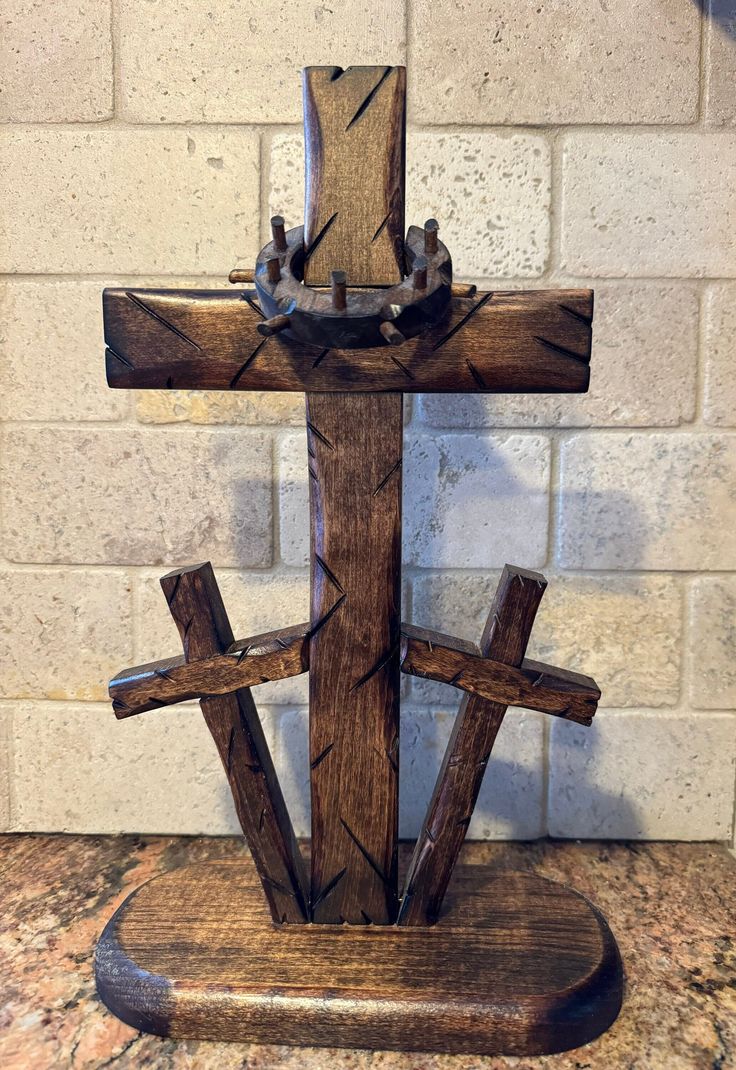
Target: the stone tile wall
pixel 146 145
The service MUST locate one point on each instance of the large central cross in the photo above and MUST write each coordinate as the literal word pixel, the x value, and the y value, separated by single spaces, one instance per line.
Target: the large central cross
pixel 355 314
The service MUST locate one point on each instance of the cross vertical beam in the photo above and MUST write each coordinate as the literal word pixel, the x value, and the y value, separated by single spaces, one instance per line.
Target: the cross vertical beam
pixel 199 613
pixel 354 124
pixel 474 732
pixel 355 450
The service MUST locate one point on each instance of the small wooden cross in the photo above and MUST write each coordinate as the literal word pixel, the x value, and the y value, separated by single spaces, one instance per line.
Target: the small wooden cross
pixel 389 289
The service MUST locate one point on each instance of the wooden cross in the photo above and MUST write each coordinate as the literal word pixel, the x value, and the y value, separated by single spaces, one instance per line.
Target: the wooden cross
pixel 425 335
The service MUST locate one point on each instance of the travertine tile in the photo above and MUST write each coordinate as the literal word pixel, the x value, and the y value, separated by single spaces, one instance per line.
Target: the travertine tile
pixel 719 388
pixel 643 774
pixel 95 774
pixel 63 634
pixel 123 496
pixel 491 195
pixel 194 63
pixel 220 407
pixel 638 204
pixel 624 631
pixel 56 62
pixel 643 370
pixel 476 501
pixel 712 642
pixel 477 61
pixel 128 200
pixel 291 757
pixel 720 62
pixel 648 501
pixel 293 499
pixel 490 192
pixel 255 602
pixel 510 802
pixel 470 501
pixel 51 353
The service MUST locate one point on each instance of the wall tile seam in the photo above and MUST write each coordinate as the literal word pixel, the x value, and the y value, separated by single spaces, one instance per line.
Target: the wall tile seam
pixel 440 128
pixel 115 57
pixel 278 126
pixel 430 709
pixel 557 276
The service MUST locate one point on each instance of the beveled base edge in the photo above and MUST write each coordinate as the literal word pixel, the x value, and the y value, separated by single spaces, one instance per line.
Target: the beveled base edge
pixel 486 1019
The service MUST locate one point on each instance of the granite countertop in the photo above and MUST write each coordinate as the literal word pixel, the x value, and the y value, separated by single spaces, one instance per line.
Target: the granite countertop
pixel 672 908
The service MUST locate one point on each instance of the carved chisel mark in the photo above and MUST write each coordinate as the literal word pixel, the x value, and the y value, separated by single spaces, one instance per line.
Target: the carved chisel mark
pixel 476 374
pixel 430 835
pixel 160 319
pixel 262 819
pixel 461 323
pixel 368 920
pixel 371 861
pixel 380 664
pixel 318 434
pixel 278 886
pixel 386 478
pixel 463 822
pixel 321 757
pixel 230 746
pixel 560 349
pixel 366 103
pixel 401 367
pixel 337 74
pixel 520 579
pixel 312 474
pixel 254 305
pixel 119 356
pixel 538 680
pixel 170 383
pixel 456 677
pixel 118 704
pixel 381 228
pixel 320 358
pixel 323 620
pixel 313 245
pixel 240 654
pixel 328 888
pixel 174 591
pixel 587 320
pixel 329 573
pixel 244 367
pixel 392 753
pixel 162 673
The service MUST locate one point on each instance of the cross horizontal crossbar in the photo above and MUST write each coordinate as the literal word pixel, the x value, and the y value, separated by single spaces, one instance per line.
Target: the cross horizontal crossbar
pixel 534 685
pixel 428 654
pixel 536 341
pixel 273 655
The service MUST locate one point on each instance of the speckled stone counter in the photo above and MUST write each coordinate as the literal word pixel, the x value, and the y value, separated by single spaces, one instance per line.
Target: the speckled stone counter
pixel 672 908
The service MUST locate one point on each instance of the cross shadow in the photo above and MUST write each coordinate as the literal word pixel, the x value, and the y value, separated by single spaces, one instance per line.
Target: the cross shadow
pixel 722 13
pixel 516 780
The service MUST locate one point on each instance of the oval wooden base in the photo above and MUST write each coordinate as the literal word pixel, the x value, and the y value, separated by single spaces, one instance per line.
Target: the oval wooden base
pixel 517 965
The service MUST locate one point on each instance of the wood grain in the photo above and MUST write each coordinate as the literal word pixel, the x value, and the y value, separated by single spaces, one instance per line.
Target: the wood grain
pixel 354 134
pixel 533 685
pixel 518 965
pixel 355 452
pixel 535 341
pixel 197 608
pixel 474 731
pixel 273 655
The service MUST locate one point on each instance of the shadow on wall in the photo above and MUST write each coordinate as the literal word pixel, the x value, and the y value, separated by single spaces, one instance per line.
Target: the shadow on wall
pixel 722 13
pixel 515 780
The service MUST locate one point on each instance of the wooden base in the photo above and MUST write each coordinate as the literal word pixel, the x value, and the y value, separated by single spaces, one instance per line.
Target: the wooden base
pixel 517 965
